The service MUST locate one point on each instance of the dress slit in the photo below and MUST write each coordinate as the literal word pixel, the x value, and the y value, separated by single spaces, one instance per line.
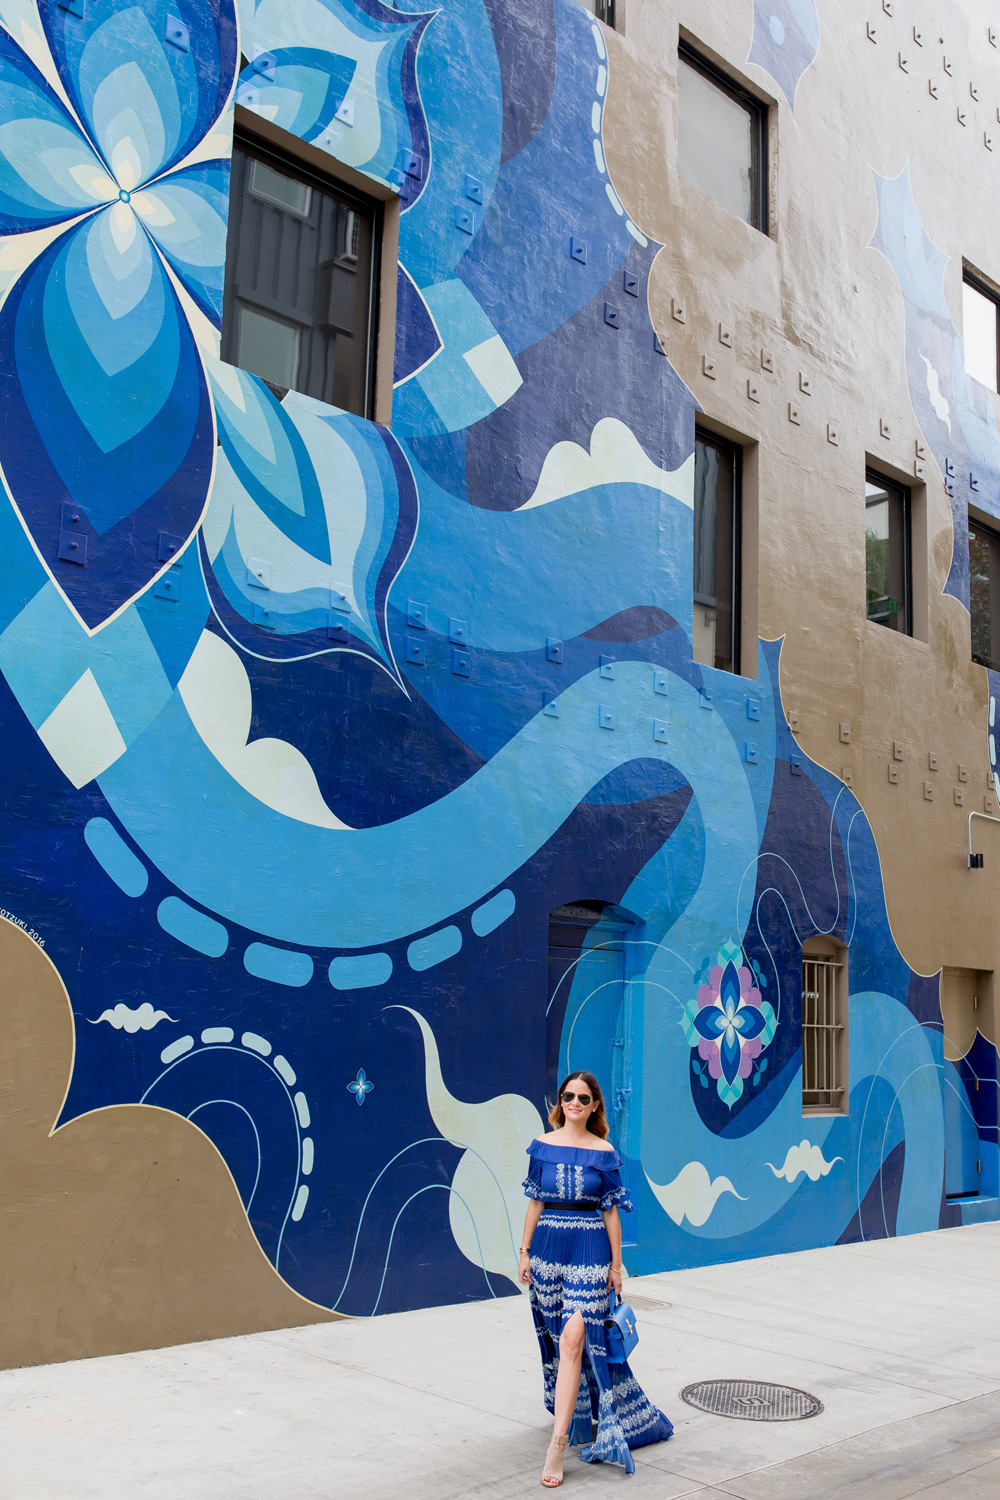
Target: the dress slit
pixel 570 1261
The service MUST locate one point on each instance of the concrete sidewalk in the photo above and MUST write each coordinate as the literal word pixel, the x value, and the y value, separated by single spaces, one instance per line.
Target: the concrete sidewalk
pixel 900 1339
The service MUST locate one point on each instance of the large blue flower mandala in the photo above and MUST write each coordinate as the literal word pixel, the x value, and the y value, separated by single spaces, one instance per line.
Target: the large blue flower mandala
pixel 106 433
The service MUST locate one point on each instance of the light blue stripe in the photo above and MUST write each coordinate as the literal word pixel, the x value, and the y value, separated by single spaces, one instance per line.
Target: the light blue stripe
pixel 360 973
pixel 115 857
pixel 278 965
pixel 213 1034
pixel 177 1049
pixel 492 912
pixel 192 927
pixel 435 948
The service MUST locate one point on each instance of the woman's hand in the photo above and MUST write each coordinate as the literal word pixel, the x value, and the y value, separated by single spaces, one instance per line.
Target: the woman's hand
pixel 615 1280
pixel 524 1269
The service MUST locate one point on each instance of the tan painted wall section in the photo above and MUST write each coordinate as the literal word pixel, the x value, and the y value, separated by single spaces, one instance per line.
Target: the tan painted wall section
pixel 829 310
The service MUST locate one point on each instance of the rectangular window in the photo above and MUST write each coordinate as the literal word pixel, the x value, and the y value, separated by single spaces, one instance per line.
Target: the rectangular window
pixel 825 1079
pixel 301 258
pixel 984 594
pixel 715 627
pixel 721 138
pixel 980 308
pixel 604 10
pixel 887 553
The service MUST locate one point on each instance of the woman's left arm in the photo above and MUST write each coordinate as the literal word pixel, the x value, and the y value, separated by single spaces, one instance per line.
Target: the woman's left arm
pixel 613 1225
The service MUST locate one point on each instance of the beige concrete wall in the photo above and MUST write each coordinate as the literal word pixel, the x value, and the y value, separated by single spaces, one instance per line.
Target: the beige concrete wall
pixel 829 311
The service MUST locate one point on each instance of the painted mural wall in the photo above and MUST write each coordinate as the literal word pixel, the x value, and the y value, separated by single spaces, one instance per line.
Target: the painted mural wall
pixel 292 851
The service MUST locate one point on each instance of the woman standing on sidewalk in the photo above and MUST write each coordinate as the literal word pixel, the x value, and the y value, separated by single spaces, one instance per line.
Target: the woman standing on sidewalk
pixel 571 1258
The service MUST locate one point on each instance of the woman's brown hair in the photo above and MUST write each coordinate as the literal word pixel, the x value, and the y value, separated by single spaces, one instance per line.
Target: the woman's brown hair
pixel 597 1122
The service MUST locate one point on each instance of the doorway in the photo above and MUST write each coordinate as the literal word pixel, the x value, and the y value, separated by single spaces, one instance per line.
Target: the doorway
pixel 589 1016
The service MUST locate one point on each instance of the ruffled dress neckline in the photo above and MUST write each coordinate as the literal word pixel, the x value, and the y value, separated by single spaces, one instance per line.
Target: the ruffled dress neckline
pixel 584 1156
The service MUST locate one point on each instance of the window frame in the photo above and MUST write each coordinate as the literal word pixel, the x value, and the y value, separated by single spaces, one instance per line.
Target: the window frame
pixel 876 476
pixel 993 532
pixel 262 148
pixel 713 440
pixel 969 278
pixel 759 112
pixel 827 953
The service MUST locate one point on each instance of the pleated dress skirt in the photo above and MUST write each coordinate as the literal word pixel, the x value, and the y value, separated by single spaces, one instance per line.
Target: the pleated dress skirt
pixel 570 1261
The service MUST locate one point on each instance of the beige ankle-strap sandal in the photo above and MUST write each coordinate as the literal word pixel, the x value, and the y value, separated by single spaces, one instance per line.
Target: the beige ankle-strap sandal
pixel 552 1474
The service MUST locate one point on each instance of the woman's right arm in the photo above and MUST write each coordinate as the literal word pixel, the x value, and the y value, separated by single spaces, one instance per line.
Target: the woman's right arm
pixel 531 1219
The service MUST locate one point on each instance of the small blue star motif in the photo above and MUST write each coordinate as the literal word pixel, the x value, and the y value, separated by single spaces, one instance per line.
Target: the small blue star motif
pixel 361 1086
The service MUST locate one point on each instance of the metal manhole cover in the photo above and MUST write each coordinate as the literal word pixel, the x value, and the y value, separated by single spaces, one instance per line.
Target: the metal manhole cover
pixel 648 1304
pixel 752 1400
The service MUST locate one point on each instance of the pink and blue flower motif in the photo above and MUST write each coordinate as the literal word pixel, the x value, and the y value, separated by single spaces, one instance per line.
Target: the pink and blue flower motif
pixel 729 1023
pixel 113 205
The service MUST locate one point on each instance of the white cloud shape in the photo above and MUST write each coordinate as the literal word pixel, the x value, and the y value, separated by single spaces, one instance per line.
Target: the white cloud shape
pixel 124 1019
pixel 693 1194
pixel 219 700
pixel 487 1202
pixel 804 1158
pixel 615 457
pixel 937 398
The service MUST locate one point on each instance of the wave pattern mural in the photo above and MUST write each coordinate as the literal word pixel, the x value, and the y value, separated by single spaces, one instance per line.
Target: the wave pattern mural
pixel 299 866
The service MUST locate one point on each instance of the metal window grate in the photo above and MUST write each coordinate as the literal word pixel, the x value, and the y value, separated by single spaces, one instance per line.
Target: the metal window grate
pixel 822 1084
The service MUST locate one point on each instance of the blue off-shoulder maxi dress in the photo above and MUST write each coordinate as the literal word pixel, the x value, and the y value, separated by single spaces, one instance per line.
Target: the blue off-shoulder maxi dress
pixel 570 1261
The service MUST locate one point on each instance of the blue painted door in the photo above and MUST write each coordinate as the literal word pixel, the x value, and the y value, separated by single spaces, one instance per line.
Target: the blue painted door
pixel 596 1021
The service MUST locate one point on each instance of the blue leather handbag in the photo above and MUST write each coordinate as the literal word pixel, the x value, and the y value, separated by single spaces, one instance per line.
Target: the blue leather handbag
pixel 620 1336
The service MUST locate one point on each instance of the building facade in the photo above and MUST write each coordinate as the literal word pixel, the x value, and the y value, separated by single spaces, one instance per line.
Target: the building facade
pixel 501 561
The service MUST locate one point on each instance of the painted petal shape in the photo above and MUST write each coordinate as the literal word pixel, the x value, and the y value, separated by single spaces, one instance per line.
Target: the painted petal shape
pixel 417 338
pixel 307 89
pixel 377 42
pixel 729 988
pixel 731 1054
pixel 145 114
pixel 186 213
pixel 751 1021
pixel 327 497
pixel 105 408
pixel 709 1022
pixel 48 172
pixel 270 458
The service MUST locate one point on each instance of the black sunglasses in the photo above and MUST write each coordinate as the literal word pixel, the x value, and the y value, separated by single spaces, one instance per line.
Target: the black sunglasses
pixel 567 1097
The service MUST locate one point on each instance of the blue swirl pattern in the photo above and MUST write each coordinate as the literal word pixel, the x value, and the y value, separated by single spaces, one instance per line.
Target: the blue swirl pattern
pixel 334 715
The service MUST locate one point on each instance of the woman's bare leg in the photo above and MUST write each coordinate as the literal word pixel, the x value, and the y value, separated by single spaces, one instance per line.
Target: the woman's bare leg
pixel 568 1377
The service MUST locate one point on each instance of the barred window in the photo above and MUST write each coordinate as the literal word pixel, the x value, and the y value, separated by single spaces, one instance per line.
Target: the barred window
pixel 825 1069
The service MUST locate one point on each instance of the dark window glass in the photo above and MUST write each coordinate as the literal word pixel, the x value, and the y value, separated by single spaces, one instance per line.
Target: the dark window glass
pixel 979 332
pixel 715 627
pixel 300 262
pixel 604 10
pixel 721 139
pixel 984 594
pixel 887 553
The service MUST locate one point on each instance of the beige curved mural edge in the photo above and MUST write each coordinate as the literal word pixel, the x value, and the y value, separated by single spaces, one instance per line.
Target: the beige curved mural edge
pixel 122 1229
